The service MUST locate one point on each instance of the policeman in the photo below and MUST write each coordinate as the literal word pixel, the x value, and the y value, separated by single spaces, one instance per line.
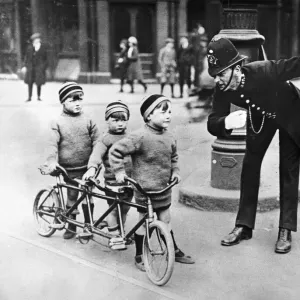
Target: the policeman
pixel 270 102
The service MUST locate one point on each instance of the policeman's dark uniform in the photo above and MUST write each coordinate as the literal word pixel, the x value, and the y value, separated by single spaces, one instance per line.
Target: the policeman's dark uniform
pixel 272 104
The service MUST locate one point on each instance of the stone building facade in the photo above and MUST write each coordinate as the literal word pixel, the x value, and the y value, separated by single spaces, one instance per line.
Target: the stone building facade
pixel 83 35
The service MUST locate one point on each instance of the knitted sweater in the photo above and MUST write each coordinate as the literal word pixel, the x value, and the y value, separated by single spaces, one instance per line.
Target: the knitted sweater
pixel 72 141
pixel 154 160
pixel 103 147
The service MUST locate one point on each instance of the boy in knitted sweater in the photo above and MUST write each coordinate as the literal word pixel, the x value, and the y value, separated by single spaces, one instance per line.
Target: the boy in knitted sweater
pixel 116 116
pixel 155 163
pixel 72 142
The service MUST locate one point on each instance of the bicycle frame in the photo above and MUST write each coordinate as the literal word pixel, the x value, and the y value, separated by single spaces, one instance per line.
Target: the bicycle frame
pixel 87 194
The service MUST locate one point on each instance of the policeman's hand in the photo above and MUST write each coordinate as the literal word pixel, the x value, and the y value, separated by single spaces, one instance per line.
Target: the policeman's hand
pixel 120 177
pixel 236 119
pixel 89 173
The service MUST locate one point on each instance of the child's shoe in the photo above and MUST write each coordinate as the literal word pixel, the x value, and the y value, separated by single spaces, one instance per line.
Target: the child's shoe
pixel 182 258
pixel 139 263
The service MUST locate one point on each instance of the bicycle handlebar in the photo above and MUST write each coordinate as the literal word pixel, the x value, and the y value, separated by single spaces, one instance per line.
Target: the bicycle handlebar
pixel 140 189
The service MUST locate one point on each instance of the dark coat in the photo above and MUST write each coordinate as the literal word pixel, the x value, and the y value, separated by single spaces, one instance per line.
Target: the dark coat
pixel 36 63
pixel 266 92
pixel 134 70
pixel 123 66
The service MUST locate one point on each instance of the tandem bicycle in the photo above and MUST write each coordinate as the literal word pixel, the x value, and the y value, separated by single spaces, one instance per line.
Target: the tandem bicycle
pixel 51 214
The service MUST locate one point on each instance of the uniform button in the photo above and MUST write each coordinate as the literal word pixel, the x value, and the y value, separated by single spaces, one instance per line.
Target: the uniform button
pixel 253 105
pixel 242 96
pixel 247 101
pixel 258 108
pixel 263 112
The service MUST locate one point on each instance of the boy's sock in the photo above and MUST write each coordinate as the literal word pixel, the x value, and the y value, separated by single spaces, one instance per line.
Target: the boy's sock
pixel 173 238
pixel 138 244
pixel 86 214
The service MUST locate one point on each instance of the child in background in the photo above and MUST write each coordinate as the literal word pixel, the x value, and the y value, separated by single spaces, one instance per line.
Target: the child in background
pixel 116 116
pixel 73 138
pixel 155 164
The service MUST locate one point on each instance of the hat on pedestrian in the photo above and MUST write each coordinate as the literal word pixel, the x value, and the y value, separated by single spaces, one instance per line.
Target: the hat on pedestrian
pixel 124 41
pixel 150 102
pixel 116 106
pixel 35 36
pixel 169 40
pixel 132 40
pixel 221 55
pixel 67 89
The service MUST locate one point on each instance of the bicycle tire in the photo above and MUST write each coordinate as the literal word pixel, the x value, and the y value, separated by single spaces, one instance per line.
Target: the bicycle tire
pixel 160 241
pixel 43 222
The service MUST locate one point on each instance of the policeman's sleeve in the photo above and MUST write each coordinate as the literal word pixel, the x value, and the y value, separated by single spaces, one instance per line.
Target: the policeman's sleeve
pixel 284 69
pixel 216 120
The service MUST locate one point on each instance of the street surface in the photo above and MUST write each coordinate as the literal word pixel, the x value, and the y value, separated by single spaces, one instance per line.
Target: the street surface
pixel 33 267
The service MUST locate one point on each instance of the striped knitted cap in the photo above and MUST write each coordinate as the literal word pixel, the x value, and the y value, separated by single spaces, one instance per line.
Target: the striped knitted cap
pixel 116 106
pixel 67 89
pixel 150 102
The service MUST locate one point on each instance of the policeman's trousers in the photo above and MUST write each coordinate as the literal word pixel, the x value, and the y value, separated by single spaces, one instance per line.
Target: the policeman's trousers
pixel 256 147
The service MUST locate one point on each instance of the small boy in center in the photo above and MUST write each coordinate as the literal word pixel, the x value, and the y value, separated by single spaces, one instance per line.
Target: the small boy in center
pixel 154 165
pixel 116 116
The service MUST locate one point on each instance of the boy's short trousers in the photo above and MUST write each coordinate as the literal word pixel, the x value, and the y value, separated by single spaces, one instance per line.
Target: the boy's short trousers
pixel 142 211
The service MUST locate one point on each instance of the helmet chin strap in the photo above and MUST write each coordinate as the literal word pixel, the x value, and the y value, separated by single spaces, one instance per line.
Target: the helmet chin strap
pixel 229 81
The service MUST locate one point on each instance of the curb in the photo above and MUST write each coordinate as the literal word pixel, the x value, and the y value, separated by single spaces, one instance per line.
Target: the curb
pixel 202 196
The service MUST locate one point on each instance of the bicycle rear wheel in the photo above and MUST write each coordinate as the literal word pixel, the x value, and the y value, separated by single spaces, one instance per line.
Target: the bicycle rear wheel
pixel 158 253
pixel 45 206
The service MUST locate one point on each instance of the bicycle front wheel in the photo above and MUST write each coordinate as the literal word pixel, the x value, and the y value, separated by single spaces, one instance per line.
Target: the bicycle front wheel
pixel 158 253
pixel 45 207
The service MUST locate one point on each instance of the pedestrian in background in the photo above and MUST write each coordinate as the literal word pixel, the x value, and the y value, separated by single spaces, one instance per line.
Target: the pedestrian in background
pixel 134 71
pixel 264 90
pixel 167 62
pixel 122 63
pixel 35 65
pixel 185 61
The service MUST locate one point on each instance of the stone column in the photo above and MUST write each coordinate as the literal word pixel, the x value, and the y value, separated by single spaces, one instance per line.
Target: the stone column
pixel 182 18
pixel 82 40
pixel 213 17
pixel 278 30
pixel 103 75
pixel 172 20
pixel 17 35
pixel 162 25
pixel 295 28
pixel 38 18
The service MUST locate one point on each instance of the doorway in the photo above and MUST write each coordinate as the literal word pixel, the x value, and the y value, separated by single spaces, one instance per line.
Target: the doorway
pixel 134 20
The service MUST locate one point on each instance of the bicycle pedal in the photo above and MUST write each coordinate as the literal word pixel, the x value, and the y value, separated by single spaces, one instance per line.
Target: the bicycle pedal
pixel 84 235
pixel 116 240
pixel 119 246
pixel 57 225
